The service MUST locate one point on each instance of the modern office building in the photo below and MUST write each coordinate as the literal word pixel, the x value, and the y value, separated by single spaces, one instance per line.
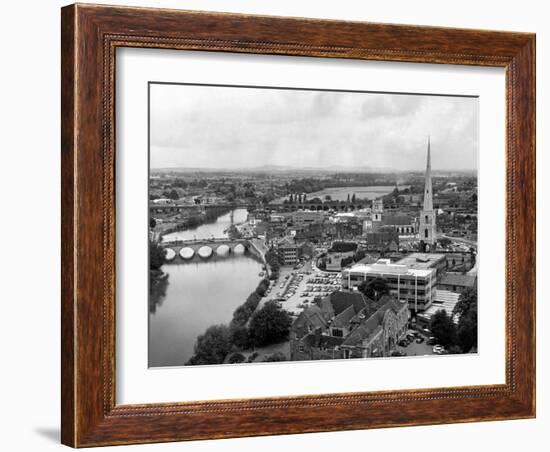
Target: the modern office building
pixel 410 284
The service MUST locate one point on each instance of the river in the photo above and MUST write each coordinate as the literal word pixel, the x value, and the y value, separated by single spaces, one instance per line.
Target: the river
pixel 197 295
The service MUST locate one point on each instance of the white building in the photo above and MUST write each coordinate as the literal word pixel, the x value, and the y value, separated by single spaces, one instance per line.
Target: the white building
pixel 414 285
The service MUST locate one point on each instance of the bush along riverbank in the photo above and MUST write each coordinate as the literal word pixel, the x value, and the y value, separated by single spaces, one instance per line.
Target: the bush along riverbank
pixel 249 327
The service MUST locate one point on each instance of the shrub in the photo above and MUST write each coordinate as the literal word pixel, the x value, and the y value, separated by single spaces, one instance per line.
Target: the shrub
pixel 277 356
pixel 236 358
pixel 156 255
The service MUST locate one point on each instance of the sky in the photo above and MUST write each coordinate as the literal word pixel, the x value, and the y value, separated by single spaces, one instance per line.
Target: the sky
pixel 195 126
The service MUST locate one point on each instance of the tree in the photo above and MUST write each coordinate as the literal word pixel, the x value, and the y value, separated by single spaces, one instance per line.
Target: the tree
pixel 443 328
pixel 270 324
pixel 466 301
pixel 466 309
pixel 236 358
pixel 467 330
pixel 374 289
pixel 262 287
pixel 359 255
pixel 240 336
pixel 241 315
pixel 172 194
pixel 277 356
pixel 345 261
pixel 152 223
pixel 328 198
pixel 348 197
pixel 444 242
pixel 212 346
pixel 353 198
pixel 156 255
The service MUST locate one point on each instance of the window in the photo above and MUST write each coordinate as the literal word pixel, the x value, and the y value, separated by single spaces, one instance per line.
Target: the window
pixel 301 348
pixel 425 233
pixel 426 218
pixel 347 354
pixel 337 332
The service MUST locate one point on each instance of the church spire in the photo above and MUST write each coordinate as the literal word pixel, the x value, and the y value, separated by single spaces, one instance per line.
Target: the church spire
pixel 428 203
pixel 427 226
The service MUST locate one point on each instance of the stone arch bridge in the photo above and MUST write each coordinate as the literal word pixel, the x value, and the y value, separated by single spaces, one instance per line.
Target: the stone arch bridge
pixel 205 249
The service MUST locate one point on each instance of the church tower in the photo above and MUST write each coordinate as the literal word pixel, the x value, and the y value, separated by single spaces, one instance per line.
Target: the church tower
pixel 377 209
pixel 427 228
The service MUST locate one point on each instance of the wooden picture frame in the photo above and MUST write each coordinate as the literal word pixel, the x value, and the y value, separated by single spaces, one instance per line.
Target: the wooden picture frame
pixel 90 35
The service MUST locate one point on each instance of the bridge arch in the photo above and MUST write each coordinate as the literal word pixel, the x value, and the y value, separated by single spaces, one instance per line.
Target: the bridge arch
pixel 205 251
pixel 223 250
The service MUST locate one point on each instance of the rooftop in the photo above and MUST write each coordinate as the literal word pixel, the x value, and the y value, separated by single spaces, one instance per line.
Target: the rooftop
pixel 397 220
pixel 444 299
pixel 421 260
pixel 385 267
pixel 458 279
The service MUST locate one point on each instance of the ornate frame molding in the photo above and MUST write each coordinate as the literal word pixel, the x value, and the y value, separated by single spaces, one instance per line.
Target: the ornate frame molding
pixel 90 37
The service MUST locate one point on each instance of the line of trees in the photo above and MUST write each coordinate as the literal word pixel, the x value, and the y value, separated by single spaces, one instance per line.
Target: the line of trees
pixel 274 265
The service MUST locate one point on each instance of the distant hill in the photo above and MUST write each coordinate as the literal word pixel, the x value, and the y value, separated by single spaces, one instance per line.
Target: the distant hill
pixel 280 169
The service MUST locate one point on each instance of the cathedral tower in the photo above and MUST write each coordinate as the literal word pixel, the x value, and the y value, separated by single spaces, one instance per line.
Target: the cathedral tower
pixel 427 228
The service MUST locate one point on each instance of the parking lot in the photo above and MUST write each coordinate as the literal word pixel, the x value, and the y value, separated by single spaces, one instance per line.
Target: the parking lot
pixel 297 287
pixel 416 348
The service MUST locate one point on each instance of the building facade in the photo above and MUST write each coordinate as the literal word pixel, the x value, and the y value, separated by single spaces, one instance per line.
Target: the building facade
pixel 302 218
pixel 289 251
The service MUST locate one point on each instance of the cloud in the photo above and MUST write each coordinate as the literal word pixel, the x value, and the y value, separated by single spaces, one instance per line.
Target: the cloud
pixel 235 127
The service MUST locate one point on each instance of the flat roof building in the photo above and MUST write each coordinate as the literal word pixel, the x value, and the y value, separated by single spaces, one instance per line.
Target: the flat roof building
pixel 457 282
pixel 445 300
pixel 408 283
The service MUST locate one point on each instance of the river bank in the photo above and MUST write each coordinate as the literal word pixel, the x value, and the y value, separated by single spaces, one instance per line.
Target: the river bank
pixel 211 215
pixel 198 294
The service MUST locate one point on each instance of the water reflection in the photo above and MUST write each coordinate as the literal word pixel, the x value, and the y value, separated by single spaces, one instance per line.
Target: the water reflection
pixel 157 293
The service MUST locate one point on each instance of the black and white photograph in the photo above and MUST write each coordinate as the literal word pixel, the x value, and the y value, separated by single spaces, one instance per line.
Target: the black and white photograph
pixel 294 224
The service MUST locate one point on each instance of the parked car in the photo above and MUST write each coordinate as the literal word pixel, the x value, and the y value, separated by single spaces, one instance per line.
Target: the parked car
pixel 431 340
pixel 438 349
pixel 419 340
